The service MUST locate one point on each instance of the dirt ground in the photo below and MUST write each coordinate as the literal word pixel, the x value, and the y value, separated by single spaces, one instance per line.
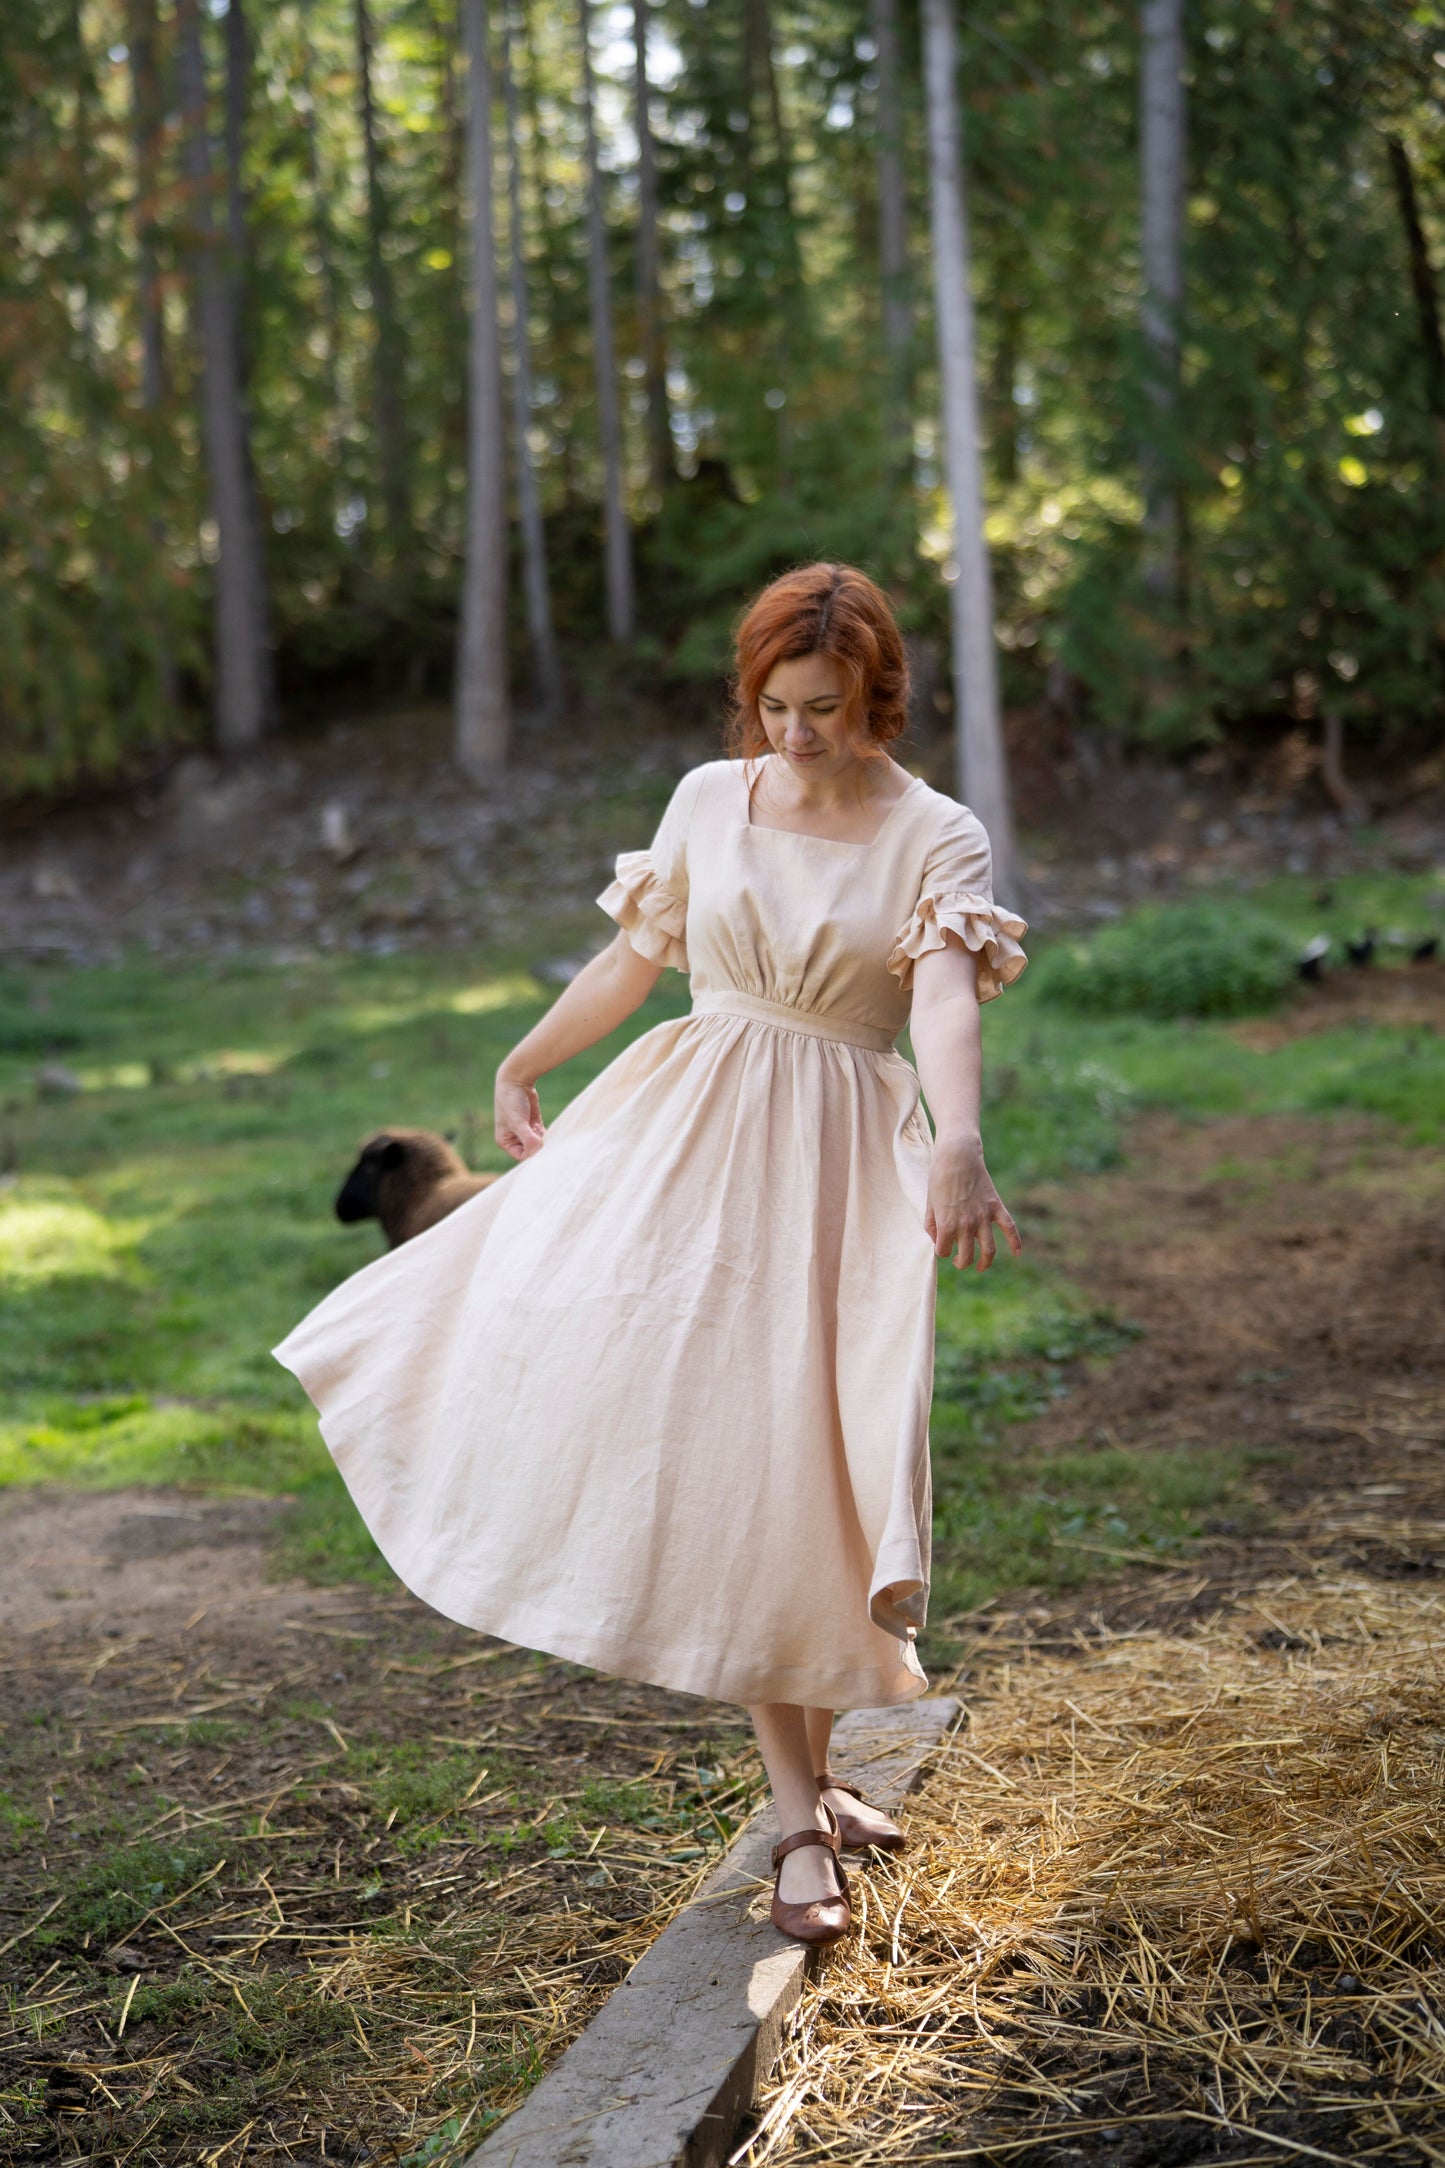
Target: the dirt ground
pixel 1290 1279
pixel 406 1947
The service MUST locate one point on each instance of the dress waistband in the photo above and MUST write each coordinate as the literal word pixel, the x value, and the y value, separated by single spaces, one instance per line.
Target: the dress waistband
pixel 813 1023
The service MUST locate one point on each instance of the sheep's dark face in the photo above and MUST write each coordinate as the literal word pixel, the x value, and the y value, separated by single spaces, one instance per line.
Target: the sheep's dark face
pixel 359 1196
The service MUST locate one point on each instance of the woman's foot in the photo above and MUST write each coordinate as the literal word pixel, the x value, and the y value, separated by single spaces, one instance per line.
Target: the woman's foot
pixel 810 1895
pixel 863 1828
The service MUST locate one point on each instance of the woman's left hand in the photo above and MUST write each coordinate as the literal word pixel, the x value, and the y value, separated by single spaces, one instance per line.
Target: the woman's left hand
pixel 964 1207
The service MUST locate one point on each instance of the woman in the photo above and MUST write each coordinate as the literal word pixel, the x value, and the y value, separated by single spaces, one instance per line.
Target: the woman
pixel 658 1401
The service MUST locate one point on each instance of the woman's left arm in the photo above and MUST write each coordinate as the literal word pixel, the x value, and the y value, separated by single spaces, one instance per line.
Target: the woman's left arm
pixel 963 1205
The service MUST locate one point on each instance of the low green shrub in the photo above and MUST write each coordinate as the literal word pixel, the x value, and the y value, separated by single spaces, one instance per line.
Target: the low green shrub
pixel 1195 959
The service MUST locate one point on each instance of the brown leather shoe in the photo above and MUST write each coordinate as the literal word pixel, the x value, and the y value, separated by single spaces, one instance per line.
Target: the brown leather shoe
pixel 826 1919
pixel 856 1835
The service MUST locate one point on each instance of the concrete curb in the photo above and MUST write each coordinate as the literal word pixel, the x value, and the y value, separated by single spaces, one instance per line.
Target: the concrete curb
pixel 671 2063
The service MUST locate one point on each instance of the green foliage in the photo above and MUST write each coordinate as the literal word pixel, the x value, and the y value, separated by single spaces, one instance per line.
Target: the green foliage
pixel 1304 448
pixel 1198 959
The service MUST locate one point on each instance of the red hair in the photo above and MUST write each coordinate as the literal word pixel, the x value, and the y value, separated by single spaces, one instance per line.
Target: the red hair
pixel 830 610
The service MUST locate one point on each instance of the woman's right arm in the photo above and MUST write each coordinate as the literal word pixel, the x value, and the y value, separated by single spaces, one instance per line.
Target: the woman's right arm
pixel 602 996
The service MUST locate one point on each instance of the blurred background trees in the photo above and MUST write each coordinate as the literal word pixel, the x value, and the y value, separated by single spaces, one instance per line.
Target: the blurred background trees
pixel 236 314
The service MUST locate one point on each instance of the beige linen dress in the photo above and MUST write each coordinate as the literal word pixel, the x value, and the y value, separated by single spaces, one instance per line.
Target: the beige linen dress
pixel 657 1401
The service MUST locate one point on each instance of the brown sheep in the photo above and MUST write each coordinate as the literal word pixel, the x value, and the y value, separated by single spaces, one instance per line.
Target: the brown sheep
pixel 408 1179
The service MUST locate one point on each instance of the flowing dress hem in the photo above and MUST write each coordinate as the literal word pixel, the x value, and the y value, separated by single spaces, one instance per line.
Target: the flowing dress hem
pixel 696 1673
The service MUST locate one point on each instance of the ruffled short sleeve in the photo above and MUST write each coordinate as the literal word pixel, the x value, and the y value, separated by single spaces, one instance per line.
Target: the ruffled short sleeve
pixel 957 898
pixel 648 899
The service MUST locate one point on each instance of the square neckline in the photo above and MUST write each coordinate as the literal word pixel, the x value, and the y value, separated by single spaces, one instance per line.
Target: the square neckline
pixel 803 835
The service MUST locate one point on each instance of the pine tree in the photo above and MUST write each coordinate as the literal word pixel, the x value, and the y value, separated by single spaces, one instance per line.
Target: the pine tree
pixel 978 723
pixel 618 535
pixel 483 691
pixel 243 667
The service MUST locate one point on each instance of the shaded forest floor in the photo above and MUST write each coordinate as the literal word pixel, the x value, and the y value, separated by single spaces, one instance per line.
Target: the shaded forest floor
pixel 302 1874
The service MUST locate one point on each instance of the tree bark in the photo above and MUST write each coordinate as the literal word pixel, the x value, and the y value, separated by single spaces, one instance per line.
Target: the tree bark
pixel 893 235
pixel 83 141
pixel 978 725
pixel 483 695
pixel 147 120
pixel 452 415
pixel 1162 145
pixel 1004 419
pixel 242 649
pixel 1332 764
pixel 324 243
pixel 388 354
pixel 1422 280
pixel 649 281
pixel 536 586
pixel 618 543
pixel 238 63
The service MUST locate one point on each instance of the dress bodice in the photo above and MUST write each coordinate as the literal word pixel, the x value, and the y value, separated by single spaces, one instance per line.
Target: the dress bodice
pixel 798 923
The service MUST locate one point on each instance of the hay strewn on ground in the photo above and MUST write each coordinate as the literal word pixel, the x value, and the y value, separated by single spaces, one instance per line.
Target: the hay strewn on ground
pixel 1170 1898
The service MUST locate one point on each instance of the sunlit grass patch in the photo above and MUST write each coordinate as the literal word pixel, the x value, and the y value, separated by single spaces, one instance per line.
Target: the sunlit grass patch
pixel 118 1439
pixel 47 1232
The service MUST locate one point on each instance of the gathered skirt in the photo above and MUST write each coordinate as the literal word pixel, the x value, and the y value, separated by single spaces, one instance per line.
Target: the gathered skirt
pixel 657 1401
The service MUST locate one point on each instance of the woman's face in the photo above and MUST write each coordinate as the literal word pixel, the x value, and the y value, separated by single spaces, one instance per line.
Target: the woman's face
pixel 804 707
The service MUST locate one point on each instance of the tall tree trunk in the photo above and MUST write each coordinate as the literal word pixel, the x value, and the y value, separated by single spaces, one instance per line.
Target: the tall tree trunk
pixel 1422 280
pixel 324 242
pixel 243 656
pixel 238 65
pixel 483 695
pixel 618 537
pixel 536 587
pixel 82 143
pixel 978 724
pixel 1004 419
pixel 552 244
pixel 147 121
pixel 790 310
pixel 649 281
pixel 452 415
pixel 1162 125
pixel 893 234
pixel 388 353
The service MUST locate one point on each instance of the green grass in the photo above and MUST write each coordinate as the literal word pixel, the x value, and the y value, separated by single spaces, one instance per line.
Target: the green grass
pixel 173 1219
pixel 162 1228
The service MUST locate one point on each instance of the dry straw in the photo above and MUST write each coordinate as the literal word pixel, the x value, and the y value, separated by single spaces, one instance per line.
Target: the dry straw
pixel 1169 1898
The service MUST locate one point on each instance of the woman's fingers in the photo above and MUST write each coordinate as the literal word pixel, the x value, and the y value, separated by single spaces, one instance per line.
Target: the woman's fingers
pixel 965 1232
pixel 518 1124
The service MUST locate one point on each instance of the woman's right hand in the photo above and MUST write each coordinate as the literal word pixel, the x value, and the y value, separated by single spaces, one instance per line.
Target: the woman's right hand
pixel 518 1116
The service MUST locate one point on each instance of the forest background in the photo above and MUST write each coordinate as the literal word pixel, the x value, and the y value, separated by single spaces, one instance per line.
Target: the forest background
pixel 235 259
